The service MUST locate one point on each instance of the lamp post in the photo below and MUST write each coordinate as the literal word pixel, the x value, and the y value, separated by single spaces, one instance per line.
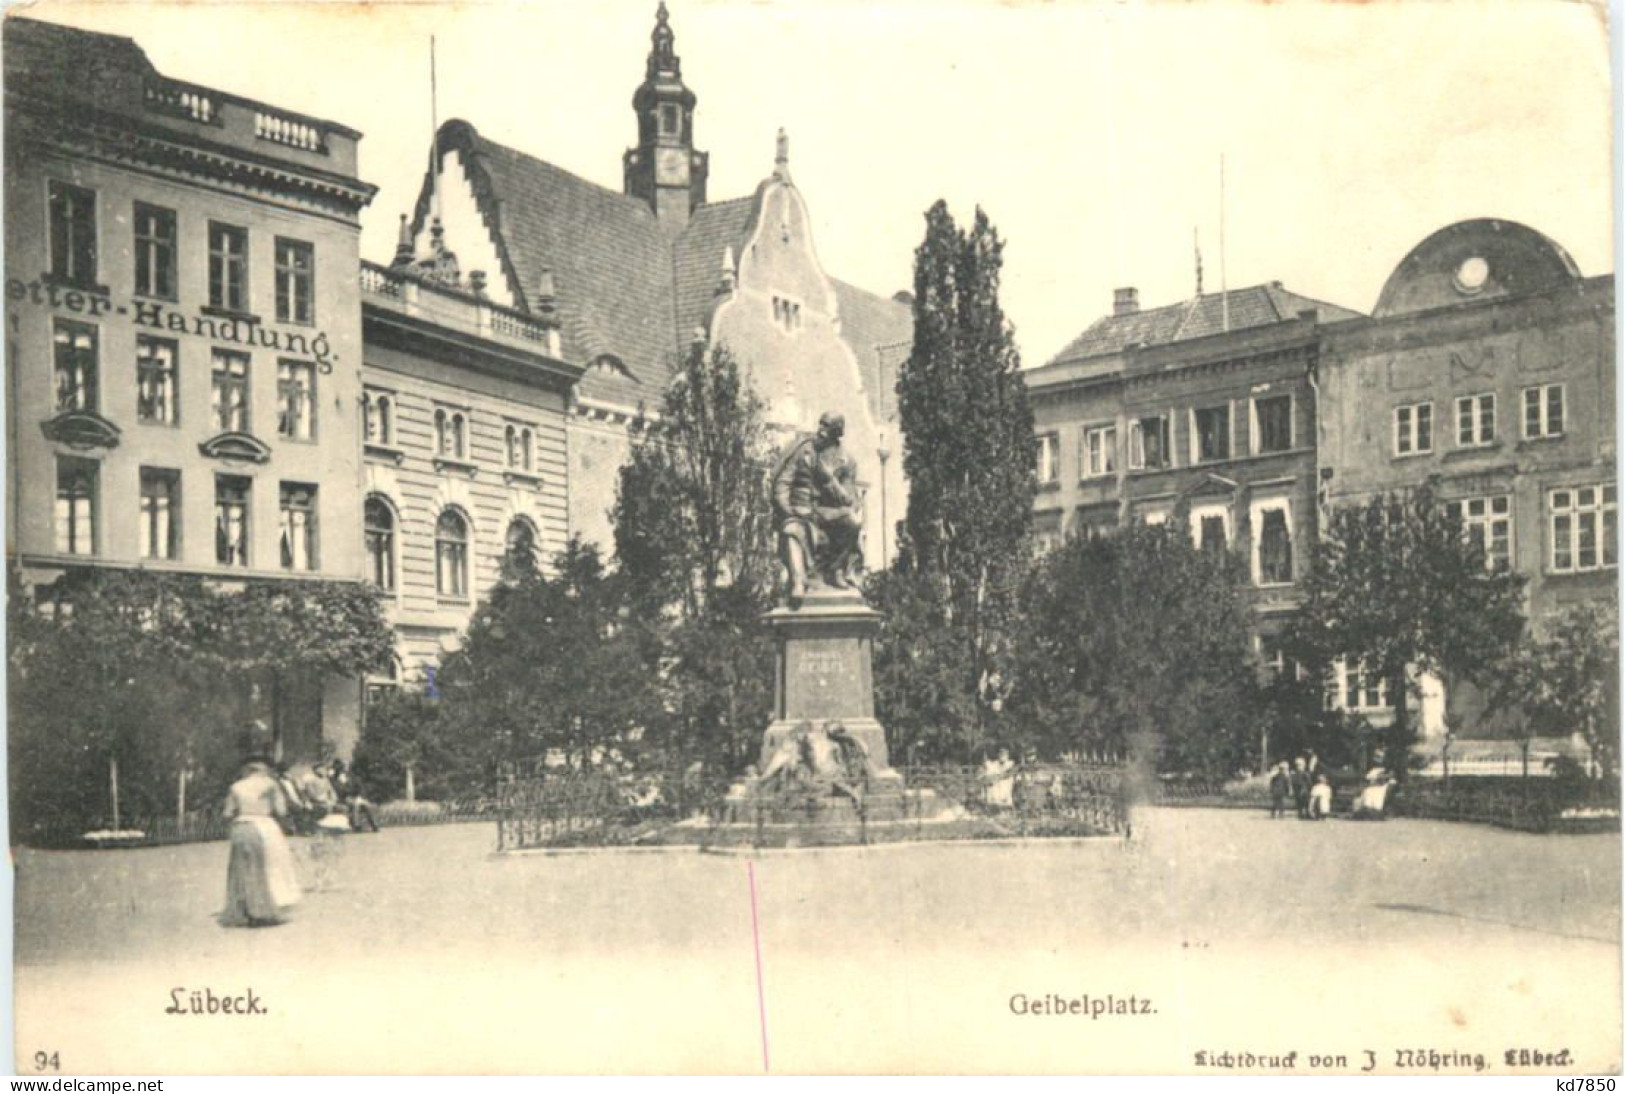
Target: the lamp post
pixel 885 453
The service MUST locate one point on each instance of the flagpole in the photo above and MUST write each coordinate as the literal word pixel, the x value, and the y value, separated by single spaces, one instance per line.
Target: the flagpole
pixel 1224 280
pixel 1196 240
pixel 434 137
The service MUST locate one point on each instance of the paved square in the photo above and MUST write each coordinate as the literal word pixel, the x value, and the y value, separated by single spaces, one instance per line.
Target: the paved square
pixel 1245 933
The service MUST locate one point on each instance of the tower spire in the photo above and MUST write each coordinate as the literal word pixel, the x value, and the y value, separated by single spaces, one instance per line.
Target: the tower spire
pixel 663 59
pixel 781 156
pixel 664 169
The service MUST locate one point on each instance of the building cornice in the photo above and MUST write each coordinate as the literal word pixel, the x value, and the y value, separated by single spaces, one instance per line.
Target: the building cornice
pixel 602 412
pixel 385 326
pixel 125 142
pixel 1589 300
pixel 1290 340
pixel 217 574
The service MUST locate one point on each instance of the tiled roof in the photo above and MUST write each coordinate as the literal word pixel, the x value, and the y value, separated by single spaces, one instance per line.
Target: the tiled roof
pixel 623 290
pixel 611 264
pixel 65 62
pixel 875 327
pixel 697 258
pixel 1255 306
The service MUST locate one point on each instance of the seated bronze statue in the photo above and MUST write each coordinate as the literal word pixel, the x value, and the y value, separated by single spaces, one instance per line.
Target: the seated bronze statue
pixel 819 511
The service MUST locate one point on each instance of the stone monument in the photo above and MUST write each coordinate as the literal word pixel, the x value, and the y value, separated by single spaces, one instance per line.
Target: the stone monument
pixel 824 737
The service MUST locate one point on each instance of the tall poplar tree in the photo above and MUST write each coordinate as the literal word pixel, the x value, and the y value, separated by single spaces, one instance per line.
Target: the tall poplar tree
pixel 968 447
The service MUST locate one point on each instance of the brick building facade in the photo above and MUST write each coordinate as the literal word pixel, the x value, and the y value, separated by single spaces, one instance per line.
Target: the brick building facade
pixel 1202 411
pixel 1487 369
pixel 183 332
pixel 463 408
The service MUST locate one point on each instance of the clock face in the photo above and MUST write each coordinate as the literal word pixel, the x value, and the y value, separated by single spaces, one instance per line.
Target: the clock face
pixel 671 167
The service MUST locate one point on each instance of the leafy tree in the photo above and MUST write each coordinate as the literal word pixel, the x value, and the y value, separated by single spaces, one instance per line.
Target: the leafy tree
pixel 719 685
pixel 692 513
pixel 1566 680
pixel 403 748
pixel 1137 641
pixel 1395 587
pixel 925 683
pixel 149 672
pixel 968 446
pixel 695 549
pixel 547 664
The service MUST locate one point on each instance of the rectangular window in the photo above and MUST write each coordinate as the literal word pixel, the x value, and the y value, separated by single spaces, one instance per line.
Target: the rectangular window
pixel 76 487
pixel 1274 548
pixel 160 513
pixel 1211 533
pixel 1272 424
pixel 228 267
pixel 1210 428
pixel 1488 523
pixel 1049 457
pixel 296 400
pixel 1413 429
pixel 1583 534
pixel 231 514
pixel 156 398
pixel 1363 690
pixel 1148 447
pixel 154 251
pixel 295 281
pixel 1543 411
pixel 73 234
pixel 298 526
pixel 75 366
pixel 1475 420
pixel 1277 664
pixel 1099 451
pixel 229 391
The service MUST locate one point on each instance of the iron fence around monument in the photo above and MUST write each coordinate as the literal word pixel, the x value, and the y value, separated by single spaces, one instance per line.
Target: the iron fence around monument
pixel 591 809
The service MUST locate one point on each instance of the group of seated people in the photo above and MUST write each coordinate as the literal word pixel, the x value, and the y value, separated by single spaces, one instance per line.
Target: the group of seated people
pixel 324 799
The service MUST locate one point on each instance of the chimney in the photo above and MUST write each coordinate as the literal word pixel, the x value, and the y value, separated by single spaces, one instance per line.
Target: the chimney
pixel 1126 301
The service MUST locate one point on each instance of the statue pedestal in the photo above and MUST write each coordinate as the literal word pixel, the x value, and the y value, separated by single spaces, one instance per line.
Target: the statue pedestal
pixel 823 672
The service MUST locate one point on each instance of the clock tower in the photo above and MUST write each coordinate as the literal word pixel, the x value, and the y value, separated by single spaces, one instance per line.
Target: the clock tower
pixel 664 169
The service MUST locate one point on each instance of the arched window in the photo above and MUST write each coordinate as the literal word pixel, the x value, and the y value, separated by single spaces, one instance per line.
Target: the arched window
pixel 451 555
pixel 520 547
pixel 442 433
pixel 519 442
pixel 459 437
pixel 380 525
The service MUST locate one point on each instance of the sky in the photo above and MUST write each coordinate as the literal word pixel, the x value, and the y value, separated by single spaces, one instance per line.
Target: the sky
pixel 1091 133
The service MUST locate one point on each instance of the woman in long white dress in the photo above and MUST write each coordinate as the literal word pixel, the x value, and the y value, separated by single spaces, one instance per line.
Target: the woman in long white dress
pixel 261 884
